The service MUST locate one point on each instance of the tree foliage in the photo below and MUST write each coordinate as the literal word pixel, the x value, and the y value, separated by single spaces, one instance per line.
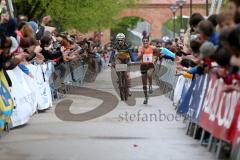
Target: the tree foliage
pixel 84 15
pixel 169 24
pixel 122 25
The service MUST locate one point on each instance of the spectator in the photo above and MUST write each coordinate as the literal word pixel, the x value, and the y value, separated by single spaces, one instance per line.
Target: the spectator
pixel 8 25
pixel 193 23
pixel 41 27
pixel 47 46
pixel 207 32
pixel 225 20
pixel 234 7
pixel 213 20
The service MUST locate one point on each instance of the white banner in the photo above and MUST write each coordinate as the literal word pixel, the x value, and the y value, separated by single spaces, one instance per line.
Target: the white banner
pixel 41 77
pixel 29 94
pixel 178 90
pixel 24 97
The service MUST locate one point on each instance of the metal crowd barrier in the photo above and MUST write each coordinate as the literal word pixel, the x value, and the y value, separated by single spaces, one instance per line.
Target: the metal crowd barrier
pixel 76 77
pixel 67 75
pixel 166 73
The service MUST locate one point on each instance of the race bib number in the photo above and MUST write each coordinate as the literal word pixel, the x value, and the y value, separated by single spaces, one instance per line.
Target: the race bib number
pixel 147 58
pixel 121 67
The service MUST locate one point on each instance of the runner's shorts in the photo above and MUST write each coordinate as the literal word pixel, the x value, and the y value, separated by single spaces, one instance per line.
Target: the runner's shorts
pixel 145 67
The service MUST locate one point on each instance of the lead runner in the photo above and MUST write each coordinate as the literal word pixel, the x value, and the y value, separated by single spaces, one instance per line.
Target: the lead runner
pixel 146 57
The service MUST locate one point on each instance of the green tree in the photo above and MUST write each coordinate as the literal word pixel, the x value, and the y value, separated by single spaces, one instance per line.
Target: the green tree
pixel 122 25
pixel 169 24
pixel 84 15
pixel 33 9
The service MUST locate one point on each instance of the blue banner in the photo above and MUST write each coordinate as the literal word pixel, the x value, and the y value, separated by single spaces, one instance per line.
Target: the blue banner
pixel 185 98
pixel 197 98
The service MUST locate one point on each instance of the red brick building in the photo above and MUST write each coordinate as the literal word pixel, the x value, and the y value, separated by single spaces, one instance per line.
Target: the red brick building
pixel 156 12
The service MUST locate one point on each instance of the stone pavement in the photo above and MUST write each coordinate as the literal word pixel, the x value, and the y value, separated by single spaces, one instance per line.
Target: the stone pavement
pixel 126 133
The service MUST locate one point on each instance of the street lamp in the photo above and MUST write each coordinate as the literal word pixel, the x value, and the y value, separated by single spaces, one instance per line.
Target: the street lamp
pixel 174 8
pixel 207 8
pixel 191 4
pixel 181 3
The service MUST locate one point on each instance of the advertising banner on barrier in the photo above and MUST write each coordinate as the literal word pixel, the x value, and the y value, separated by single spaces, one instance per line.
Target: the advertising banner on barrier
pixel 6 102
pixel 44 98
pixel 24 97
pixel 178 90
pixel 185 89
pixel 219 110
pixel 197 97
pixel 236 137
pixel 235 134
pixel 184 101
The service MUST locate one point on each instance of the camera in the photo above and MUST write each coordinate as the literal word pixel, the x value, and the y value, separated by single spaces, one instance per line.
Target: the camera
pixel 56 46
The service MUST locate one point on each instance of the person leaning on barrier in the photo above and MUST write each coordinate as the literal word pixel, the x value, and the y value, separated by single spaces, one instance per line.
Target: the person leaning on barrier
pixel 8 60
pixel 234 43
pixel 70 48
pixel 55 55
pixel 207 32
pixel 30 46
pixel 47 52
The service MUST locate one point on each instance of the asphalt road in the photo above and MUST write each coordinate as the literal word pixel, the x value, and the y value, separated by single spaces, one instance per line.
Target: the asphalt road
pixel 82 128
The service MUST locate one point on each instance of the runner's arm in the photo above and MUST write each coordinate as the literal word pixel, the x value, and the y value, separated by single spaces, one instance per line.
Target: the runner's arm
pixel 140 54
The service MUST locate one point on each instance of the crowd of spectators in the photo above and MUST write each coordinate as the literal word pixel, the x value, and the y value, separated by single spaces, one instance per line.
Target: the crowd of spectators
pixel 210 45
pixel 24 41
